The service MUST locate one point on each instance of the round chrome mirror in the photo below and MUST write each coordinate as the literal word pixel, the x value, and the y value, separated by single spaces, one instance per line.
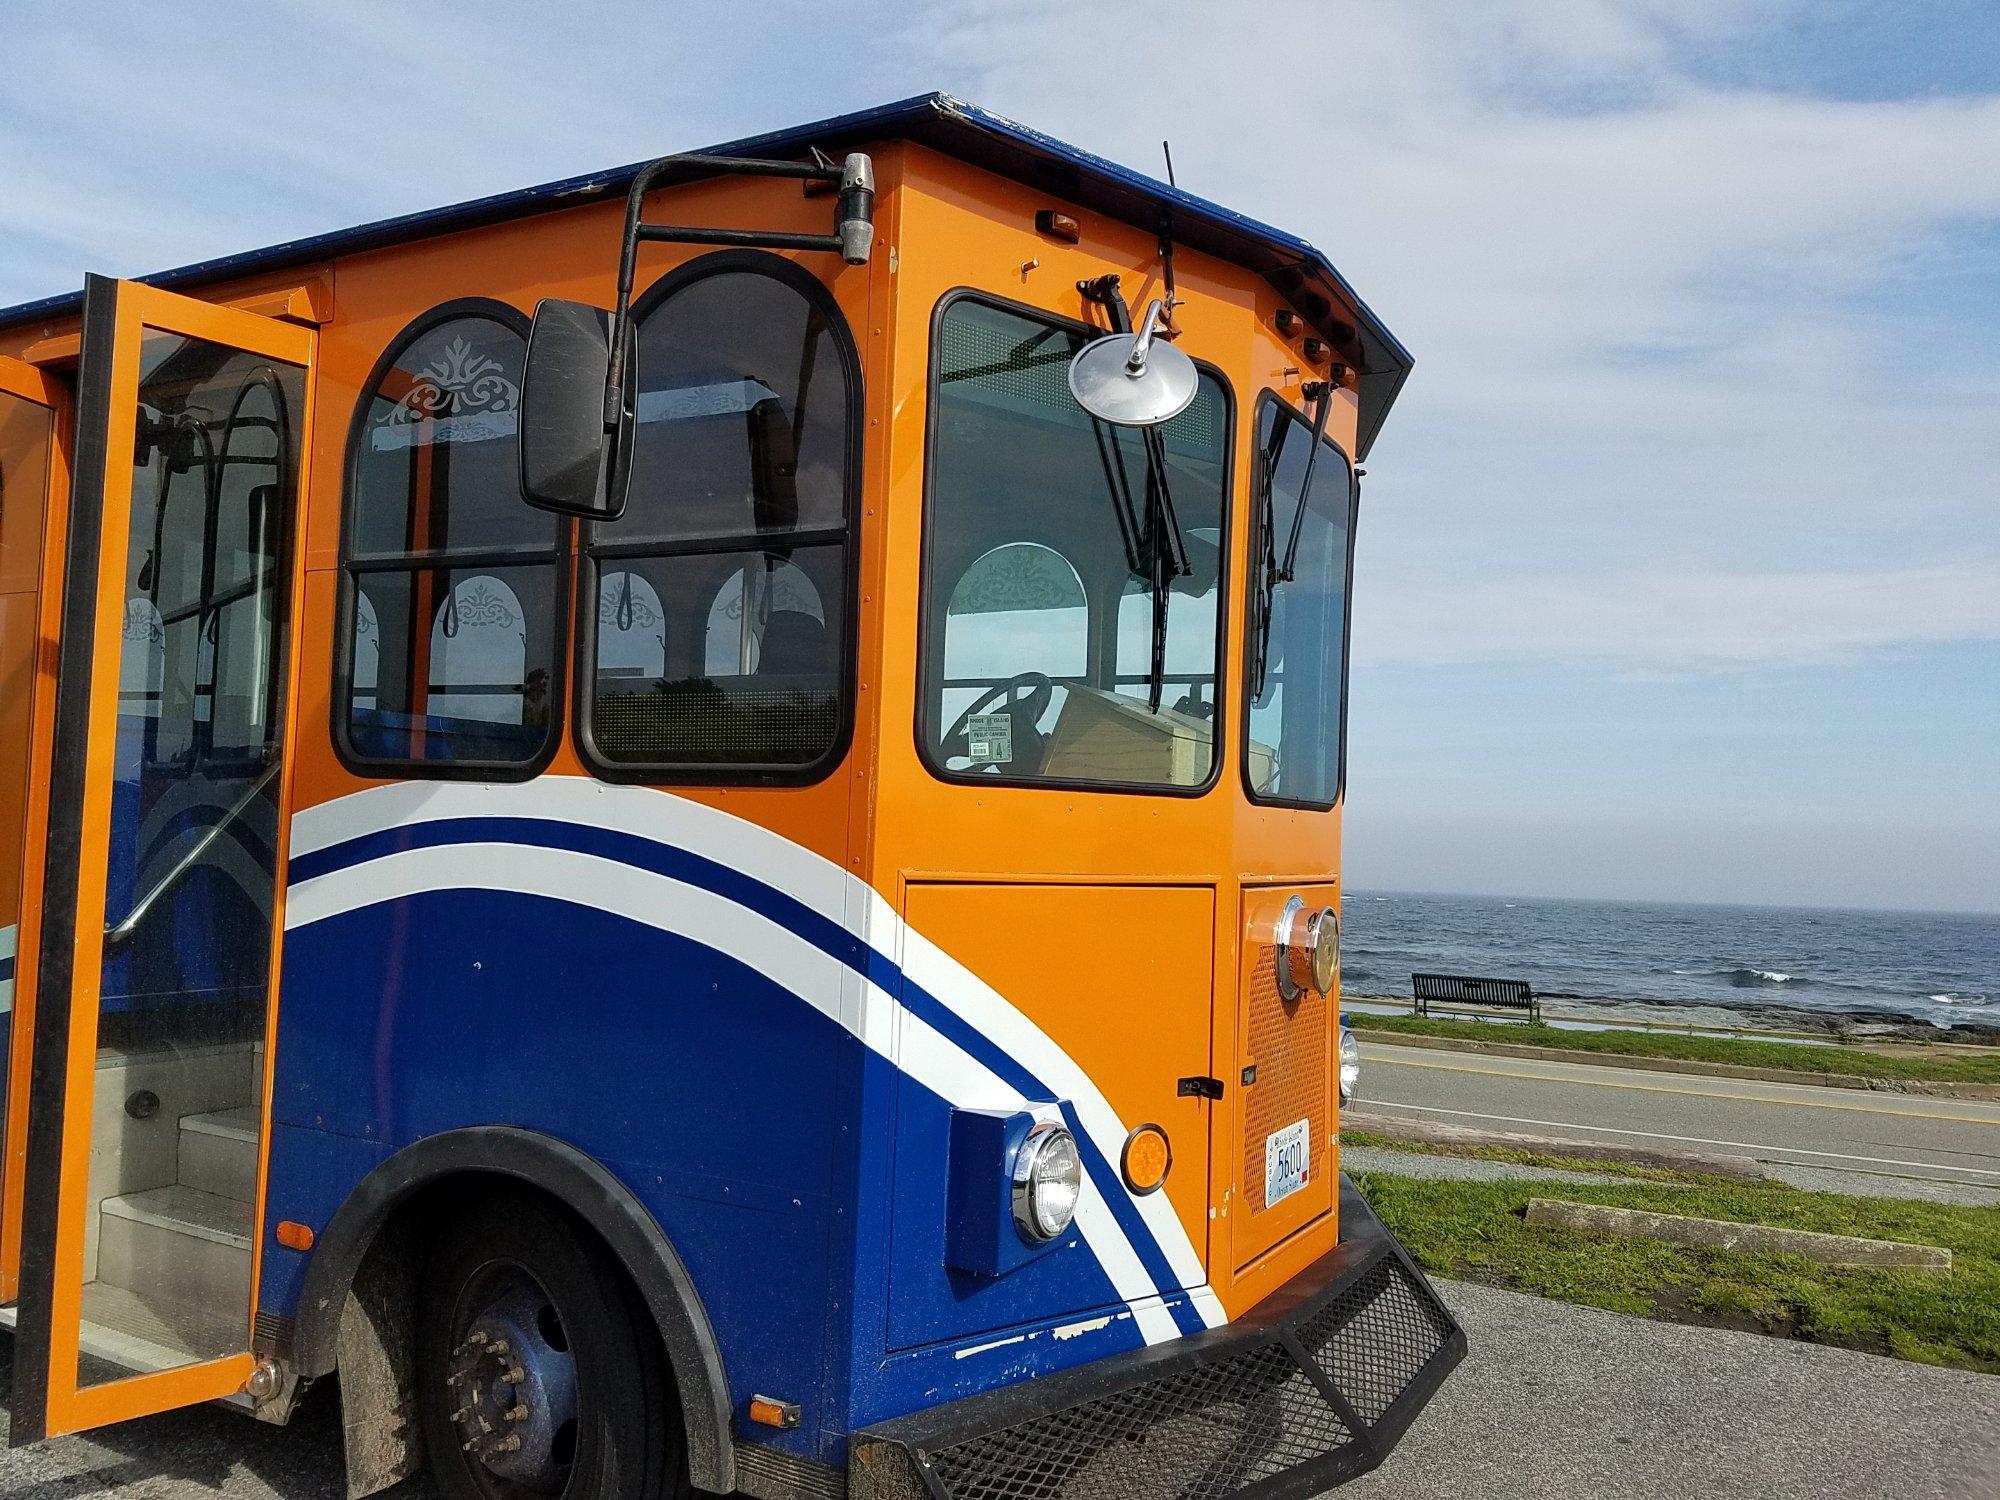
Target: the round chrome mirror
pixel 1132 379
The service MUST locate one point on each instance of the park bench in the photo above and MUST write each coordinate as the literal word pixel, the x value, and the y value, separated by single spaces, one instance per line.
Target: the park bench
pixel 1476 996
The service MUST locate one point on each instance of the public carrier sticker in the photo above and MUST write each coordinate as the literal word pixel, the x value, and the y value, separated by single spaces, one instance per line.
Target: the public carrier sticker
pixel 990 738
pixel 1287 1161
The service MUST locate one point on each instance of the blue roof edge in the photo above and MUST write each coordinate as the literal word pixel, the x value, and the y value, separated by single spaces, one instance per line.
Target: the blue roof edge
pixel 936 118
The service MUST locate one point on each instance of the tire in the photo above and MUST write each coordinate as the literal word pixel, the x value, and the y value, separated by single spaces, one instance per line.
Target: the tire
pixel 514 1289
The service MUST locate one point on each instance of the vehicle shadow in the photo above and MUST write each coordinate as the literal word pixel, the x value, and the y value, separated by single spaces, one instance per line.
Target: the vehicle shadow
pixel 204 1450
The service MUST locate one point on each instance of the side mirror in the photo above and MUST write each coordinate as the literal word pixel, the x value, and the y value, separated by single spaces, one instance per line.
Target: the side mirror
pixel 575 454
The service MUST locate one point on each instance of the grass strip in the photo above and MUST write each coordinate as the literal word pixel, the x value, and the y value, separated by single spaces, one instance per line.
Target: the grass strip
pixel 1799 1057
pixel 1477 1231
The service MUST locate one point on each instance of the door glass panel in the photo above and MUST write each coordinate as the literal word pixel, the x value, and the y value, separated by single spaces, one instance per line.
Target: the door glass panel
pixel 192 867
pixel 27 430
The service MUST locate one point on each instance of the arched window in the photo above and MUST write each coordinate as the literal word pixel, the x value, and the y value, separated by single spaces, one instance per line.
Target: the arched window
pixel 452 589
pixel 1019 607
pixel 784 614
pixel 737 535
pixel 631 628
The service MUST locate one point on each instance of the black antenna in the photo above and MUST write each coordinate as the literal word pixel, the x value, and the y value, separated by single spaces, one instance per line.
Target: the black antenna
pixel 1166 243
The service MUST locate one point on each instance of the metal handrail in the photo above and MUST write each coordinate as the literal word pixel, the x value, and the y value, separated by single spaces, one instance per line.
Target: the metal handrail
pixel 126 926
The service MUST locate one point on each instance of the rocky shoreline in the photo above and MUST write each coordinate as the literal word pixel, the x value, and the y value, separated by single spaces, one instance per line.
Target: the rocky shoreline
pixel 1880 1025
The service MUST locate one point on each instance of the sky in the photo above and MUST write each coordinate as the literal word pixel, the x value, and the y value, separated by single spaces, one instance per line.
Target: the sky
pixel 1679 568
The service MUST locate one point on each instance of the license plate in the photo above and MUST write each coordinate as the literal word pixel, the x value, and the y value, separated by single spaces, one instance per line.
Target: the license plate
pixel 1287 1161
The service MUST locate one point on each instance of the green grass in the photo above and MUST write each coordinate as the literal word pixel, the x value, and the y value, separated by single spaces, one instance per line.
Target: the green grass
pixel 1938 1067
pixel 1477 1230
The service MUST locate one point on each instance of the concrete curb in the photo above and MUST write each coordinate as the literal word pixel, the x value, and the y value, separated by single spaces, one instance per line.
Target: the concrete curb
pixel 1756 1239
pixel 1432 1133
pixel 1986 1091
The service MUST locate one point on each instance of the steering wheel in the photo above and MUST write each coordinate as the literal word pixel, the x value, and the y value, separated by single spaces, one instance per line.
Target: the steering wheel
pixel 1023 698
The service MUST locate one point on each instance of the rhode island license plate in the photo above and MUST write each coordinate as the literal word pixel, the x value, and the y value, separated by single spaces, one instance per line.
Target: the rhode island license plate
pixel 1287 1161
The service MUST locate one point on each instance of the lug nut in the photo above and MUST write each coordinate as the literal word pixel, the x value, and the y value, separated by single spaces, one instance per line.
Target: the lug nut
pixel 516 1414
pixel 509 1444
pixel 514 1376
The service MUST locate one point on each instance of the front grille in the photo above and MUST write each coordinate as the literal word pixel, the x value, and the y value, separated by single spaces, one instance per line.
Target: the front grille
pixel 1372 1338
pixel 1288 1409
pixel 1199 1435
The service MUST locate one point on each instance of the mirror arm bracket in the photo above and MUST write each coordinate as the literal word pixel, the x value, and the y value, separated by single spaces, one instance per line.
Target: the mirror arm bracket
pixel 852 239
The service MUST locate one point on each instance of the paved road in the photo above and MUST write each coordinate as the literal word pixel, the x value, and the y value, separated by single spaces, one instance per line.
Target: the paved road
pixel 1553 1401
pixel 1842 1140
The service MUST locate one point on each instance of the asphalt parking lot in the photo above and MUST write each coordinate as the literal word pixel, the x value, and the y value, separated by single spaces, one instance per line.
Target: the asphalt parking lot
pixel 1553 1401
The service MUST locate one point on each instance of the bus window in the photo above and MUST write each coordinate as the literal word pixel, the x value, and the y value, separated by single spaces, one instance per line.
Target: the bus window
pixel 453 594
pixel 1295 652
pixel 1062 643
pixel 720 641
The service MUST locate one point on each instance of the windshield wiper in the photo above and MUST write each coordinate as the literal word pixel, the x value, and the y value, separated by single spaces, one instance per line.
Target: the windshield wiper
pixel 1272 571
pixel 1165 553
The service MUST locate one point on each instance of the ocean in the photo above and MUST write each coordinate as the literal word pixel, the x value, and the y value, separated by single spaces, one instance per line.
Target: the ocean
pixel 1935 967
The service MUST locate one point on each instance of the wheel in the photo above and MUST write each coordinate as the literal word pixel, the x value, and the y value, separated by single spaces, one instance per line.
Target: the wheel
pixel 539 1374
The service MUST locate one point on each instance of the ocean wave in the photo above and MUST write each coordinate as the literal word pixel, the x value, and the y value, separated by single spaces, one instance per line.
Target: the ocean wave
pixel 1747 978
pixel 1961 999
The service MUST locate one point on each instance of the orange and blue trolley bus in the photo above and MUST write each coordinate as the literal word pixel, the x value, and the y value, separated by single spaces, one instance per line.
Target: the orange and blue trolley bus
pixel 687 824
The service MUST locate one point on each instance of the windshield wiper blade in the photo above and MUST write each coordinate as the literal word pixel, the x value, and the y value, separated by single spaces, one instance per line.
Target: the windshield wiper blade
pixel 1306 481
pixel 1272 570
pixel 1167 564
pixel 1162 521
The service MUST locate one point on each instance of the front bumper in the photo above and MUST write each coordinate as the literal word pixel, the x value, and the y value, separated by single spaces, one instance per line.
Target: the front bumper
pixel 1311 1387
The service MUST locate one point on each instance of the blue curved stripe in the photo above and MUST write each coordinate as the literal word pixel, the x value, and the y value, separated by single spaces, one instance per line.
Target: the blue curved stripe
pixel 787 911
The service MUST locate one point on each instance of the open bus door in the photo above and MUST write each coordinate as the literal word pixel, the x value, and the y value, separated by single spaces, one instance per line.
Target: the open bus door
pixel 33 490
pixel 162 885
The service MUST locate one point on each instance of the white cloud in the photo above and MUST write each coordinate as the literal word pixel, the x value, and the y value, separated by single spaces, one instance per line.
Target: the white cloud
pixel 1660 322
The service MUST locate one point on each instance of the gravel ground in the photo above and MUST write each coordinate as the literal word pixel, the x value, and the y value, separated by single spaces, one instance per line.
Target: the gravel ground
pixel 1458 1168
pixel 1812 1179
pixel 1553 1400
pixel 1876 1185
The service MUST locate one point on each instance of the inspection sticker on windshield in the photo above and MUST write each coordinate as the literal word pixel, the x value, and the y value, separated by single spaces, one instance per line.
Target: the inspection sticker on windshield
pixel 990 738
pixel 1287 1161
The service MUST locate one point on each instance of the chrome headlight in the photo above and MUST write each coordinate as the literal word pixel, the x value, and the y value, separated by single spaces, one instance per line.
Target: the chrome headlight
pixel 1048 1180
pixel 1350 1065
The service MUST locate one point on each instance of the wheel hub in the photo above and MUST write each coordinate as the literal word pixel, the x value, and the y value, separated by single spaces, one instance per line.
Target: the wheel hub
pixel 512 1380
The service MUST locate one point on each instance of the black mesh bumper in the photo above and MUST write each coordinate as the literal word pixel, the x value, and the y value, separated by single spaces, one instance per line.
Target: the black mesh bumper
pixel 1310 1388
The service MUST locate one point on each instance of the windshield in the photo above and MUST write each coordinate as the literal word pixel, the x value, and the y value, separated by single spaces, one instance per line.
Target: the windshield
pixel 1062 641
pixel 1296 667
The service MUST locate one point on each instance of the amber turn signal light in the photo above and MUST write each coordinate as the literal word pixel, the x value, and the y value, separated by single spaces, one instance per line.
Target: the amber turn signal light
pixel 295 1236
pixel 769 1411
pixel 1147 1159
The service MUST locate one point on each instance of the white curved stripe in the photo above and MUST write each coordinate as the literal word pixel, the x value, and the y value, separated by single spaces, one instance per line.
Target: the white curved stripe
pixel 767 947
pixel 988 1012
pixel 819 883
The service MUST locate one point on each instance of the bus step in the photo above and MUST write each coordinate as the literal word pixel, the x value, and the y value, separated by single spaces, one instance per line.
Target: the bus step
pixel 179 1244
pixel 218 1152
